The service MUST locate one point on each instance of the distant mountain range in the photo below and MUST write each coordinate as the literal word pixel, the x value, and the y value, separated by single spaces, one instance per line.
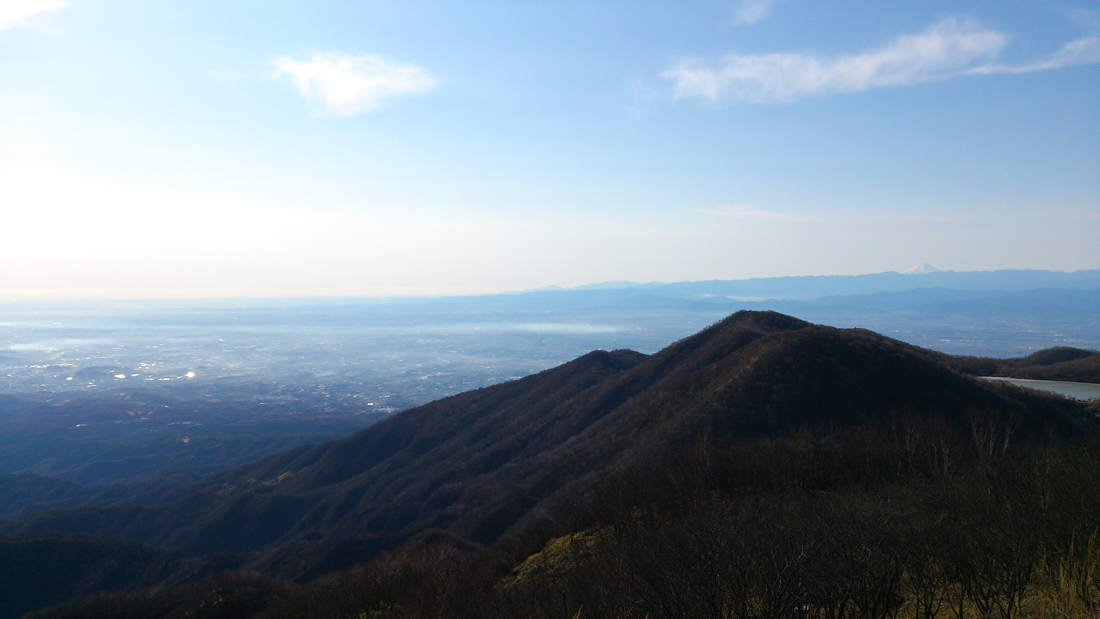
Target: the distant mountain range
pixel 810 287
pixel 1004 313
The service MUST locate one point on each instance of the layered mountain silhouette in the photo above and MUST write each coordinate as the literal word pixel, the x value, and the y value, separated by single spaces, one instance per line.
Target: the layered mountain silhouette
pixel 1058 363
pixel 484 463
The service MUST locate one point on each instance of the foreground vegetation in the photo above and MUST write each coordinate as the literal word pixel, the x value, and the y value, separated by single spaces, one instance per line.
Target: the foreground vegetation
pixel 918 516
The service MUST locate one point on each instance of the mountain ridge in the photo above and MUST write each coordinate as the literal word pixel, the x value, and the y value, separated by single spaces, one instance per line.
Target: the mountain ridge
pixel 482 463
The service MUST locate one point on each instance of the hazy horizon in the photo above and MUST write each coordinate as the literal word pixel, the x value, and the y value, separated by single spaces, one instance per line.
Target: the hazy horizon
pixel 441 147
pixel 383 294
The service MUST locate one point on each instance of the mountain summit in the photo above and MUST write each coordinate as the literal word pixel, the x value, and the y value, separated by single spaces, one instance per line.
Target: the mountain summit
pixel 921 269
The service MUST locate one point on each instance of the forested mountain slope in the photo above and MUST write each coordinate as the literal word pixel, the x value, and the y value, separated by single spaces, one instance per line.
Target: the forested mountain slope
pixel 1058 363
pixel 481 463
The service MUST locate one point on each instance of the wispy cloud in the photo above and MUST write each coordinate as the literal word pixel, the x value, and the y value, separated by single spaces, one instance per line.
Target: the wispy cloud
pixel 348 85
pixel 17 13
pixel 946 49
pixel 751 11
pixel 1081 51
pixel 943 49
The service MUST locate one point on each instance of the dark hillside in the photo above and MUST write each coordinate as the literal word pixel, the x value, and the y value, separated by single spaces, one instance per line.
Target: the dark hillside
pixel 485 462
pixel 19 493
pixel 1059 363
pixel 43 570
pixel 252 506
pixel 1058 354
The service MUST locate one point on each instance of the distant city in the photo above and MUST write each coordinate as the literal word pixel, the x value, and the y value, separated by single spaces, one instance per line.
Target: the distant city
pixel 202 385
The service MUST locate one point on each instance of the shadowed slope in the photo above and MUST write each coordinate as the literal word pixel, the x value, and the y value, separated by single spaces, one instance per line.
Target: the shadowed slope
pixel 1058 363
pixel 480 462
pixel 42 570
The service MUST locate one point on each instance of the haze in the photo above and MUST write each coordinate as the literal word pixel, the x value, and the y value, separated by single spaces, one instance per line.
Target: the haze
pixel 258 148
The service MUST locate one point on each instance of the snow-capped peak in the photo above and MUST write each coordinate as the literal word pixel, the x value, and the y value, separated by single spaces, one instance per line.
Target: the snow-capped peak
pixel 921 269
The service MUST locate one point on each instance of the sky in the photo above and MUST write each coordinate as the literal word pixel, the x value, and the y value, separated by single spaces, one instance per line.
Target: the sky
pixel 277 147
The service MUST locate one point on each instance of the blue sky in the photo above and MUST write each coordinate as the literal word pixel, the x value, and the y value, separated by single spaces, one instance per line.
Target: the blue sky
pixel 273 147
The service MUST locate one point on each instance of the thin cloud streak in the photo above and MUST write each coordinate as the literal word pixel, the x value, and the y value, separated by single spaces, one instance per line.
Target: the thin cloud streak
pixel 347 85
pixel 947 49
pixel 17 13
pixel 1079 52
pixel 940 51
